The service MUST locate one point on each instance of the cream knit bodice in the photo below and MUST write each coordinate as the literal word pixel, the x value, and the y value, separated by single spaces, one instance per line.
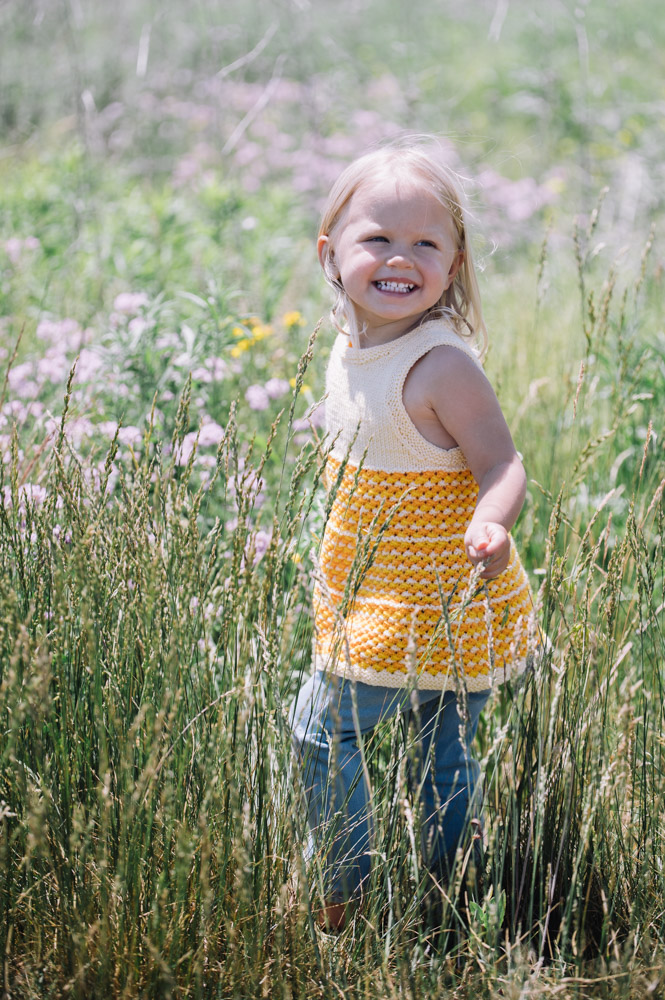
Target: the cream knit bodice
pixel 364 401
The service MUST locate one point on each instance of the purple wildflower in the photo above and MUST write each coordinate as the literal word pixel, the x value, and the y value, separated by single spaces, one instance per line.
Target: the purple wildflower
pixel 15 246
pixel 20 377
pixel 250 485
pixel 27 493
pixel 257 397
pixel 183 450
pixel 107 428
pixel 63 333
pixel 519 199
pixel 54 366
pixel 316 417
pixel 77 429
pixel 276 387
pixel 167 342
pixel 211 434
pixel 212 370
pixel 130 303
pixel 261 541
pixel 5 448
pixel 130 435
pixel 138 325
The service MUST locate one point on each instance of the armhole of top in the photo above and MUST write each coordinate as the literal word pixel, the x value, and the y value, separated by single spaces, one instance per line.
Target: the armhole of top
pixel 448 458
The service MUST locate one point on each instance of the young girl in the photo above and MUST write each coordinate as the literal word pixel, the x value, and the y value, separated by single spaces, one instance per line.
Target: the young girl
pixel 422 602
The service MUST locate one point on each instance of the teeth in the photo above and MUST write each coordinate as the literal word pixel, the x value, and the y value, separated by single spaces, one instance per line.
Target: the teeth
pixel 394 286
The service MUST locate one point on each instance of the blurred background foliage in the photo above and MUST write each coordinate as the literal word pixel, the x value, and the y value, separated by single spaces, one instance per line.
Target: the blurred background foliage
pixel 222 124
pixel 567 94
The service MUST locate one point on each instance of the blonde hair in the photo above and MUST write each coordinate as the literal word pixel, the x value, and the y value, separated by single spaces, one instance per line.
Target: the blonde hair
pixel 460 303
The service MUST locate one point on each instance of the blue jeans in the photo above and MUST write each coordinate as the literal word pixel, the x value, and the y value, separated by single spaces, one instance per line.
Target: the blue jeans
pixel 331 719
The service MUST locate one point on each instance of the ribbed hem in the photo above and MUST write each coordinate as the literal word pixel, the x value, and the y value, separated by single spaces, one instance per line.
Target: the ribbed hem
pixel 423 680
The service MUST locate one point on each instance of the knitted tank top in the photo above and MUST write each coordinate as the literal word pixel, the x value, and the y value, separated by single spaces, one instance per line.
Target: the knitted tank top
pixel 396 595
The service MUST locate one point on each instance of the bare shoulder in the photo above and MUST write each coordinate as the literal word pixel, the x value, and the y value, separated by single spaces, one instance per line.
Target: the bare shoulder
pixel 457 389
pixel 446 393
pixel 446 368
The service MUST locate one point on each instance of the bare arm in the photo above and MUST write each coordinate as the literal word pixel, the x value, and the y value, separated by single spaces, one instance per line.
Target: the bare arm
pixel 466 406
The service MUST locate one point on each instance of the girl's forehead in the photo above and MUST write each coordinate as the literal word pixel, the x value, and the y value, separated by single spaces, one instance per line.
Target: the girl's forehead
pixel 387 192
pixel 390 184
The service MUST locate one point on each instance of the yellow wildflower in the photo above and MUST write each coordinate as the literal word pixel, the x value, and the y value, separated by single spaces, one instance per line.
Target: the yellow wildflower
pixel 239 331
pixel 240 347
pixel 260 331
pixel 293 318
pixel 303 388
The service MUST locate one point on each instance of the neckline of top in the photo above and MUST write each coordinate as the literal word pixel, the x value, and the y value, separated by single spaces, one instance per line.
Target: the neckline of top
pixel 381 350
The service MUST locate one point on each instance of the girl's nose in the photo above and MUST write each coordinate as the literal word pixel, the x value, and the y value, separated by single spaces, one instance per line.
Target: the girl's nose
pixel 400 258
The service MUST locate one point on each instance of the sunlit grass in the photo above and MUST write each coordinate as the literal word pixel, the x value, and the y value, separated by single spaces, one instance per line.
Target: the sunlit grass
pixel 153 839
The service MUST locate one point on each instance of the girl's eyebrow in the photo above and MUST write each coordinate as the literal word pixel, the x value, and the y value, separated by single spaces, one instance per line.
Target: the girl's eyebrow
pixel 371 229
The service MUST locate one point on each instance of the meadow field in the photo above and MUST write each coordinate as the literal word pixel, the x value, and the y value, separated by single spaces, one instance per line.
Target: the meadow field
pixel 163 341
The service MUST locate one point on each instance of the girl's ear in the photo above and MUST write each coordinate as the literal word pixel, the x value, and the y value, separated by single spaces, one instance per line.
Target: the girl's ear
pixel 325 253
pixel 454 267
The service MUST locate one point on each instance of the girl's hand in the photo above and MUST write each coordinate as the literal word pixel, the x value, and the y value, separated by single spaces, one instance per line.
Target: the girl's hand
pixel 487 543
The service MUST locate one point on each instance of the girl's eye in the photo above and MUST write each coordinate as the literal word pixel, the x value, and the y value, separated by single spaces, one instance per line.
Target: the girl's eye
pixel 426 243
pixel 377 239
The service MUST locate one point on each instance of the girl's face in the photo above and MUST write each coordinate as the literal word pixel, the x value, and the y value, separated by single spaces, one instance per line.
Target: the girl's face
pixel 395 251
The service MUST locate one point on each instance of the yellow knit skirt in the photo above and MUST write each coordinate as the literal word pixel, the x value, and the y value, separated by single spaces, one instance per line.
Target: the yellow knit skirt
pixel 397 596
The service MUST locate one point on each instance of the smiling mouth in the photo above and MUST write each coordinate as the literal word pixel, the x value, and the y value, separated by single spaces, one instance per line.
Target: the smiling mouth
pixel 401 287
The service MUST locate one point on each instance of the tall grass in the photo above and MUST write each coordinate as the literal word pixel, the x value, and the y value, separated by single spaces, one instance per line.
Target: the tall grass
pixel 153 838
pixel 145 667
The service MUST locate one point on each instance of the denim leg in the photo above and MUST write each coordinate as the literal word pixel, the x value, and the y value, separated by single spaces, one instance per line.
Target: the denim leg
pixel 329 717
pixel 448 774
